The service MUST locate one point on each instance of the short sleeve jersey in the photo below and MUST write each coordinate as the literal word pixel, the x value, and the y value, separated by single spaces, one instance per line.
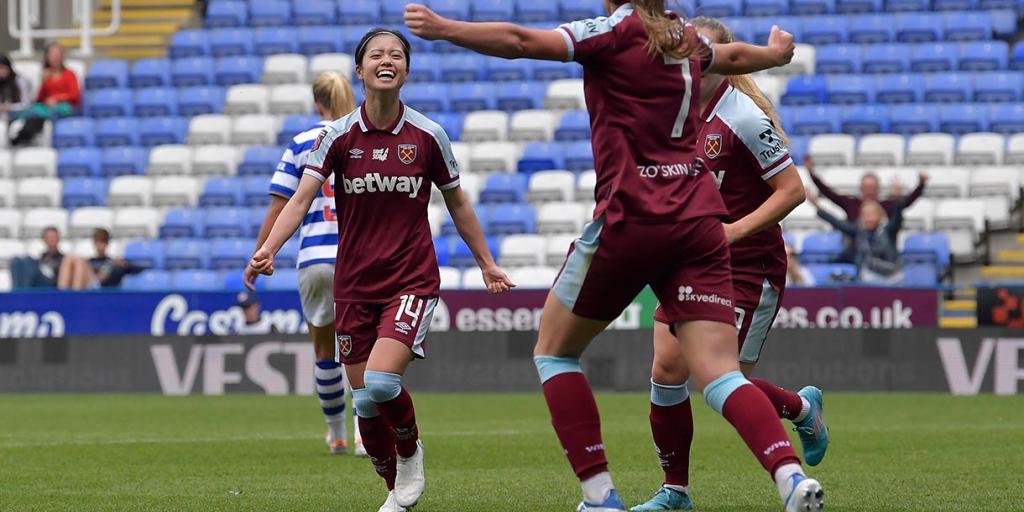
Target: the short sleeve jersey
pixel 743 150
pixel 644 122
pixel 382 187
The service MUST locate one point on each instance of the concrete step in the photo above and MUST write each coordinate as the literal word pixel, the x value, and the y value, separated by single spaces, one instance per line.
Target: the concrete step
pixel 176 14
pixel 149 28
pixel 1003 272
pixel 136 53
pixel 1010 256
pixel 1020 239
pixel 149 3
pixel 959 305
pixel 958 322
pixel 119 41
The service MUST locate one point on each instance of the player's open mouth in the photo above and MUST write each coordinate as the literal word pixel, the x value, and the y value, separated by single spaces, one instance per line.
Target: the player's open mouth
pixel 385 75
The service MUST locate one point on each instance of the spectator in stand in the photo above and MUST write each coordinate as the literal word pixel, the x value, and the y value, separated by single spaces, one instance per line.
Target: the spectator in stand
pixel 100 271
pixel 14 91
pixel 796 274
pixel 870 190
pixel 59 96
pixel 253 319
pixel 44 272
pixel 874 238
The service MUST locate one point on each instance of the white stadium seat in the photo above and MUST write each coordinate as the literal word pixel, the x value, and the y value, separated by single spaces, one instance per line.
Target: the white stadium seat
pixel 462 151
pixel 556 248
pixel 38 192
pixel 6 193
pixel 10 223
pixel 533 277
pixel 34 162
pixel 980 149
pixel 471 185
pixel 247 99
pixel 5 162
pixel 11 248
pixel 170 160
pixel 805 217
pixel 332 62
pixel 494 156
pixel 291 99
pixel 585 186
pixel 214 161
pixel 881 149
pixel 561 218
pixel 772 86
pixel 930 149
pixel 844 180
pixel 999 187
pixel 832 149
pixel 176 191
pixel 533 125
pixel 136 223
pixel 30 70
pixel 485 126
pixel 3 131
pixel 552 186
pixel 451 278
pixel 78 67
pixel 255 129
pixel 85 220
pixel 436 215
pixel 919 216
pixel 285 68
pixel 962 220
pixel 472 279
pixel 130 191
pixel 946 182
pixel 209 129
pixel 1014 150
pixel 36 246
pixel 566 94
pixel 523 250
pixel 34 221
pixel 5 281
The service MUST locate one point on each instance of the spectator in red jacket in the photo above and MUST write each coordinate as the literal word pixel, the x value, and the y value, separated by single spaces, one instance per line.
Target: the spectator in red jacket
pixel 870 190
pixel 58 96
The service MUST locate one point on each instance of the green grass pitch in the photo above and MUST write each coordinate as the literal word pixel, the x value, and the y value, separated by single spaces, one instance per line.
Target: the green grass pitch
pixel 484 453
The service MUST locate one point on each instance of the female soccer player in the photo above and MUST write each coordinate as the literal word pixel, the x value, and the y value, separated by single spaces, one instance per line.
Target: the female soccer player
pixel 656 222
pixel 318 243
pixel 385 156
pixel 744 147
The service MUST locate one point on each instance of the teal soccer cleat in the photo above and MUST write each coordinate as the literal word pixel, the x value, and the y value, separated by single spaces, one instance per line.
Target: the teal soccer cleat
pixel 813 431
pixel 666 499
pixel 611 504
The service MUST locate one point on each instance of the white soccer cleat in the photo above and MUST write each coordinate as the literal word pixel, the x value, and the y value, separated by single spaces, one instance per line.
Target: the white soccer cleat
pixel 409 478
pixel 390 505
pixel 336 446
pixel 360 449
pixel 805 495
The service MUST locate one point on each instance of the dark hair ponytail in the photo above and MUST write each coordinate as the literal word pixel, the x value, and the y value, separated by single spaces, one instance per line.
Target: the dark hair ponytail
pixel 9 90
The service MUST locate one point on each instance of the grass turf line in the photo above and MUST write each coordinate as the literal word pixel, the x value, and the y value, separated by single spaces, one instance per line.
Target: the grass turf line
pixel 484 453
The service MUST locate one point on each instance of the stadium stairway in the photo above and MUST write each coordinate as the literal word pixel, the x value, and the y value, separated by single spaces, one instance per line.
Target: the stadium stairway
pixel 146 27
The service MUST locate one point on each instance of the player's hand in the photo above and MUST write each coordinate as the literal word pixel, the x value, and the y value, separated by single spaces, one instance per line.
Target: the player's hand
pixel 781 44
pixel 424 22
pixel 249 276
pixel 496 279
pixel 262 262
pixel 923 177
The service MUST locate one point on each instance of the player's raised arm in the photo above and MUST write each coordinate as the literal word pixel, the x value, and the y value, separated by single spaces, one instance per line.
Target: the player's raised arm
pixel 506 40
pixel 287 222
pixel 743 58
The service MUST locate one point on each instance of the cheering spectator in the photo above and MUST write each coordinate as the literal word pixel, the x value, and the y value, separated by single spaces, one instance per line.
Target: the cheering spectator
pixel 874 240
pixel 796 274
pixel 44 272
pixel 58 96
pixel 14 92
pixel 870 190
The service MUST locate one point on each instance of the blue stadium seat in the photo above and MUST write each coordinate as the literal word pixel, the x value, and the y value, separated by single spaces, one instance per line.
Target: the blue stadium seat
pixel 899 88
pixel 766 7
pixel 537 11
pixel 189 43
pixel 314 12
pixel 124 160
pixel 391 13
pixel 849 89
pixel 798 145
pixel 527 95
pixel 350 36
pixel 455 9
pixel 720 8
pixel 238 70
pixel 1006 118
pixel 226 223
pixel 150 73
pixel 872 28
pixel 838 59
pixel 284 279
pixel 460 256
pixel 984 56
pixel 887 58
pixel 920 275
pixel 219 191
pixel 148 254
pixel 805 89
pixel 108 103
pixel 511 219
pixel 226 14
pixel 763 27
pixel 80 161
pixel 821 247
pixel 107 73
pixel 463 67
pixel 579 156
pixel 953 5
pixel 427 96
pixel 117 131
pixel 73 131
pixel 948 88
pixel 858 6
pixel 579 9
pixel 998 87
pixel 148 281
pixel 260 161
pixel 426 67
pixel 865 119
pixel 314 40
pixel 988 5
pixel 365 12
pixel 963 118
pixel 548 70
pixel 189 280
pixel 482 213
pixel 228 42
pixel 968 26
pixel 504 188
pixel 451 122
pixel 811 7
pixel 183 223
pixel 919 28
pixel 1018 56
pixel 814 120
pixel 192 71
pixel 193 101
pixel 293 125
pixel 927 248
pixel 934 57
pixel 470 96
pixel 254 191
pixel 271 40
pixel 906 5
pixel 230 254
pixel 493 10
pixel 80 192
pixel 832 274
pixel 823 30
pixel 162 130
pixel 911 119
pixel 540 156
pixel 575 125
pixel 442 246
pixel 742 28
pixel 270 13
pixel 288 256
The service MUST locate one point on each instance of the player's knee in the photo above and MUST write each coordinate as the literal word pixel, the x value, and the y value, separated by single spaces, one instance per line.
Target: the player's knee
pixel 382 386
pixel 365 407
pixel 669 372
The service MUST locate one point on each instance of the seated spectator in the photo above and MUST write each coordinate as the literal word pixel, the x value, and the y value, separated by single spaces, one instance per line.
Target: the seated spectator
pixel 870 190
pixel 59 96
pixel 797 274
pixel 874 240
pixel 14 92
pixel 44 272
pixel 100 271
pixel 253 319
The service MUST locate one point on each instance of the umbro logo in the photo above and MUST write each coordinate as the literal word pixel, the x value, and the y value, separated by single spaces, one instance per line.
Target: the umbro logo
pixel 355 153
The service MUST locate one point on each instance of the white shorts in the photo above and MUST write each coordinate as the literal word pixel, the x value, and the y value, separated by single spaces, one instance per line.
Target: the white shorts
pixel 316 292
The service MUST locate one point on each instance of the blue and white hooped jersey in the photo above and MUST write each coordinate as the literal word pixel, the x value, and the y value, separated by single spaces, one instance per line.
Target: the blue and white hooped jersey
pixel 318 242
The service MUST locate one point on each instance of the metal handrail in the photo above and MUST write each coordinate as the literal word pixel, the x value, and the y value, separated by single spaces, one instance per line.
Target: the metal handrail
pixel 86 32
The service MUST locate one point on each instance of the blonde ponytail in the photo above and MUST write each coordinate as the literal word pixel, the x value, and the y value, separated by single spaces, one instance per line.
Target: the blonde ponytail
pixel 742 83
pixel 333 92
pixel 665 36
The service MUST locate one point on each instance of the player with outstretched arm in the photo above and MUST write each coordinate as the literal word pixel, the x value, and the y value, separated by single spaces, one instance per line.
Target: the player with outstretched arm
pixel 384 157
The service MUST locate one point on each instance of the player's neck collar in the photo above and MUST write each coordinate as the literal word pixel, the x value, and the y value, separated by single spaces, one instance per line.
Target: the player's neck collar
pixel 394 128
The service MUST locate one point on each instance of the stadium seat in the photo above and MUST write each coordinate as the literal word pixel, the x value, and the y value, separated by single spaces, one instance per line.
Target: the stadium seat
pixel 136 223
pixel 106 74
pixel 231 42
pixel 1015 149
pixel 887 58
pixel 811 7
pixel 494 156
pixel 821 247
pixel 214 160
pixel 520 95
pixel 720 8
pixel 534 278
pixel 38 192
pixel 566 218
pixel 880 149
pixel 507 219
pixel 5 163
pixel 73 131
pixel 522 250
pixel 858 6
pixel 287 68
pixel 365 12
pixel 579 156
pixel 549 70
pixel 832 274
pixel 11 220
pixel 175 191
pixel 900 88
pixel 540 156
pixel 130 191
pixel 294 125
pixel 230 254
pixel 271 40
pixel 810 119
pixel 463 67
pixel 914 118
pixel 968 26
pixel 246 99
pixel 839 59
pixel 920 275
pixel 919 217
pixel 162 130
pixel 85 220
pixel 504 188
pixel 850 89
pixel 948 88
pixel 919 28
pixel 1018 56
pixel 427 97
pixel 123 160
pixel 493 10
pixel 226 13
pixel 254 191
pixel 451 278
pixel 190 280
pixel 565 94
pixel 78 162
pixel 452 122
pixel 1006 119
pixel 964 118
pixel 484 126
pixel 961 220
pixel 155 101
pixel 108 103
pixel 10 249
pixel 200 100
pixel 509 70
pixel 980 149
pixel 270 13
pixel 34 163
pixel 188 43
pixel 586 182
pixel 170 160
pixel 947 183
pixel 150 73
pixel 117 131
pixel 148 254
pixel 254 129
pixel 209 129
pixel 149 281
pixel 237 69
pixel 953 5
pixel 183 223
pixel 872 29
pixel 930 149
pixel 192 71
pixel 983 56
pixel 934 57
pixel 6 193
pixel 805 89
pixel 337 62
pixel 574 125
pixel 865 119
pixel 470 96
pixel 832 149
pixel 998 87
pixel 315 40
pixel 226 223
pixel 551 185
pixel 33 221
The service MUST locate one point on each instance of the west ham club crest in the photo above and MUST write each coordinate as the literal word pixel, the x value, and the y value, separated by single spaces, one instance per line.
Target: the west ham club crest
pixel 345 344
pixel 713 145
pixel 406 153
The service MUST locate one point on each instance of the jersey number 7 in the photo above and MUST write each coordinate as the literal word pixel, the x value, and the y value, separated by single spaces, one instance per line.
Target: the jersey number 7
pixel 684 109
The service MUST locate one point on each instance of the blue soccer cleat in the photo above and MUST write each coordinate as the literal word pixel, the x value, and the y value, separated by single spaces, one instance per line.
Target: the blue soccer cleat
pixel 666 499
pixel 813 431
pixel 611 504
pixel 805 494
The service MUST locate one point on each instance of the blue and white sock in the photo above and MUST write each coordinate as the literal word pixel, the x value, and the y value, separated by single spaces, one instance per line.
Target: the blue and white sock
pixel 330 387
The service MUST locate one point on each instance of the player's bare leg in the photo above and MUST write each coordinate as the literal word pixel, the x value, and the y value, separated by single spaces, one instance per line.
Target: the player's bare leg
pixel 330 386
